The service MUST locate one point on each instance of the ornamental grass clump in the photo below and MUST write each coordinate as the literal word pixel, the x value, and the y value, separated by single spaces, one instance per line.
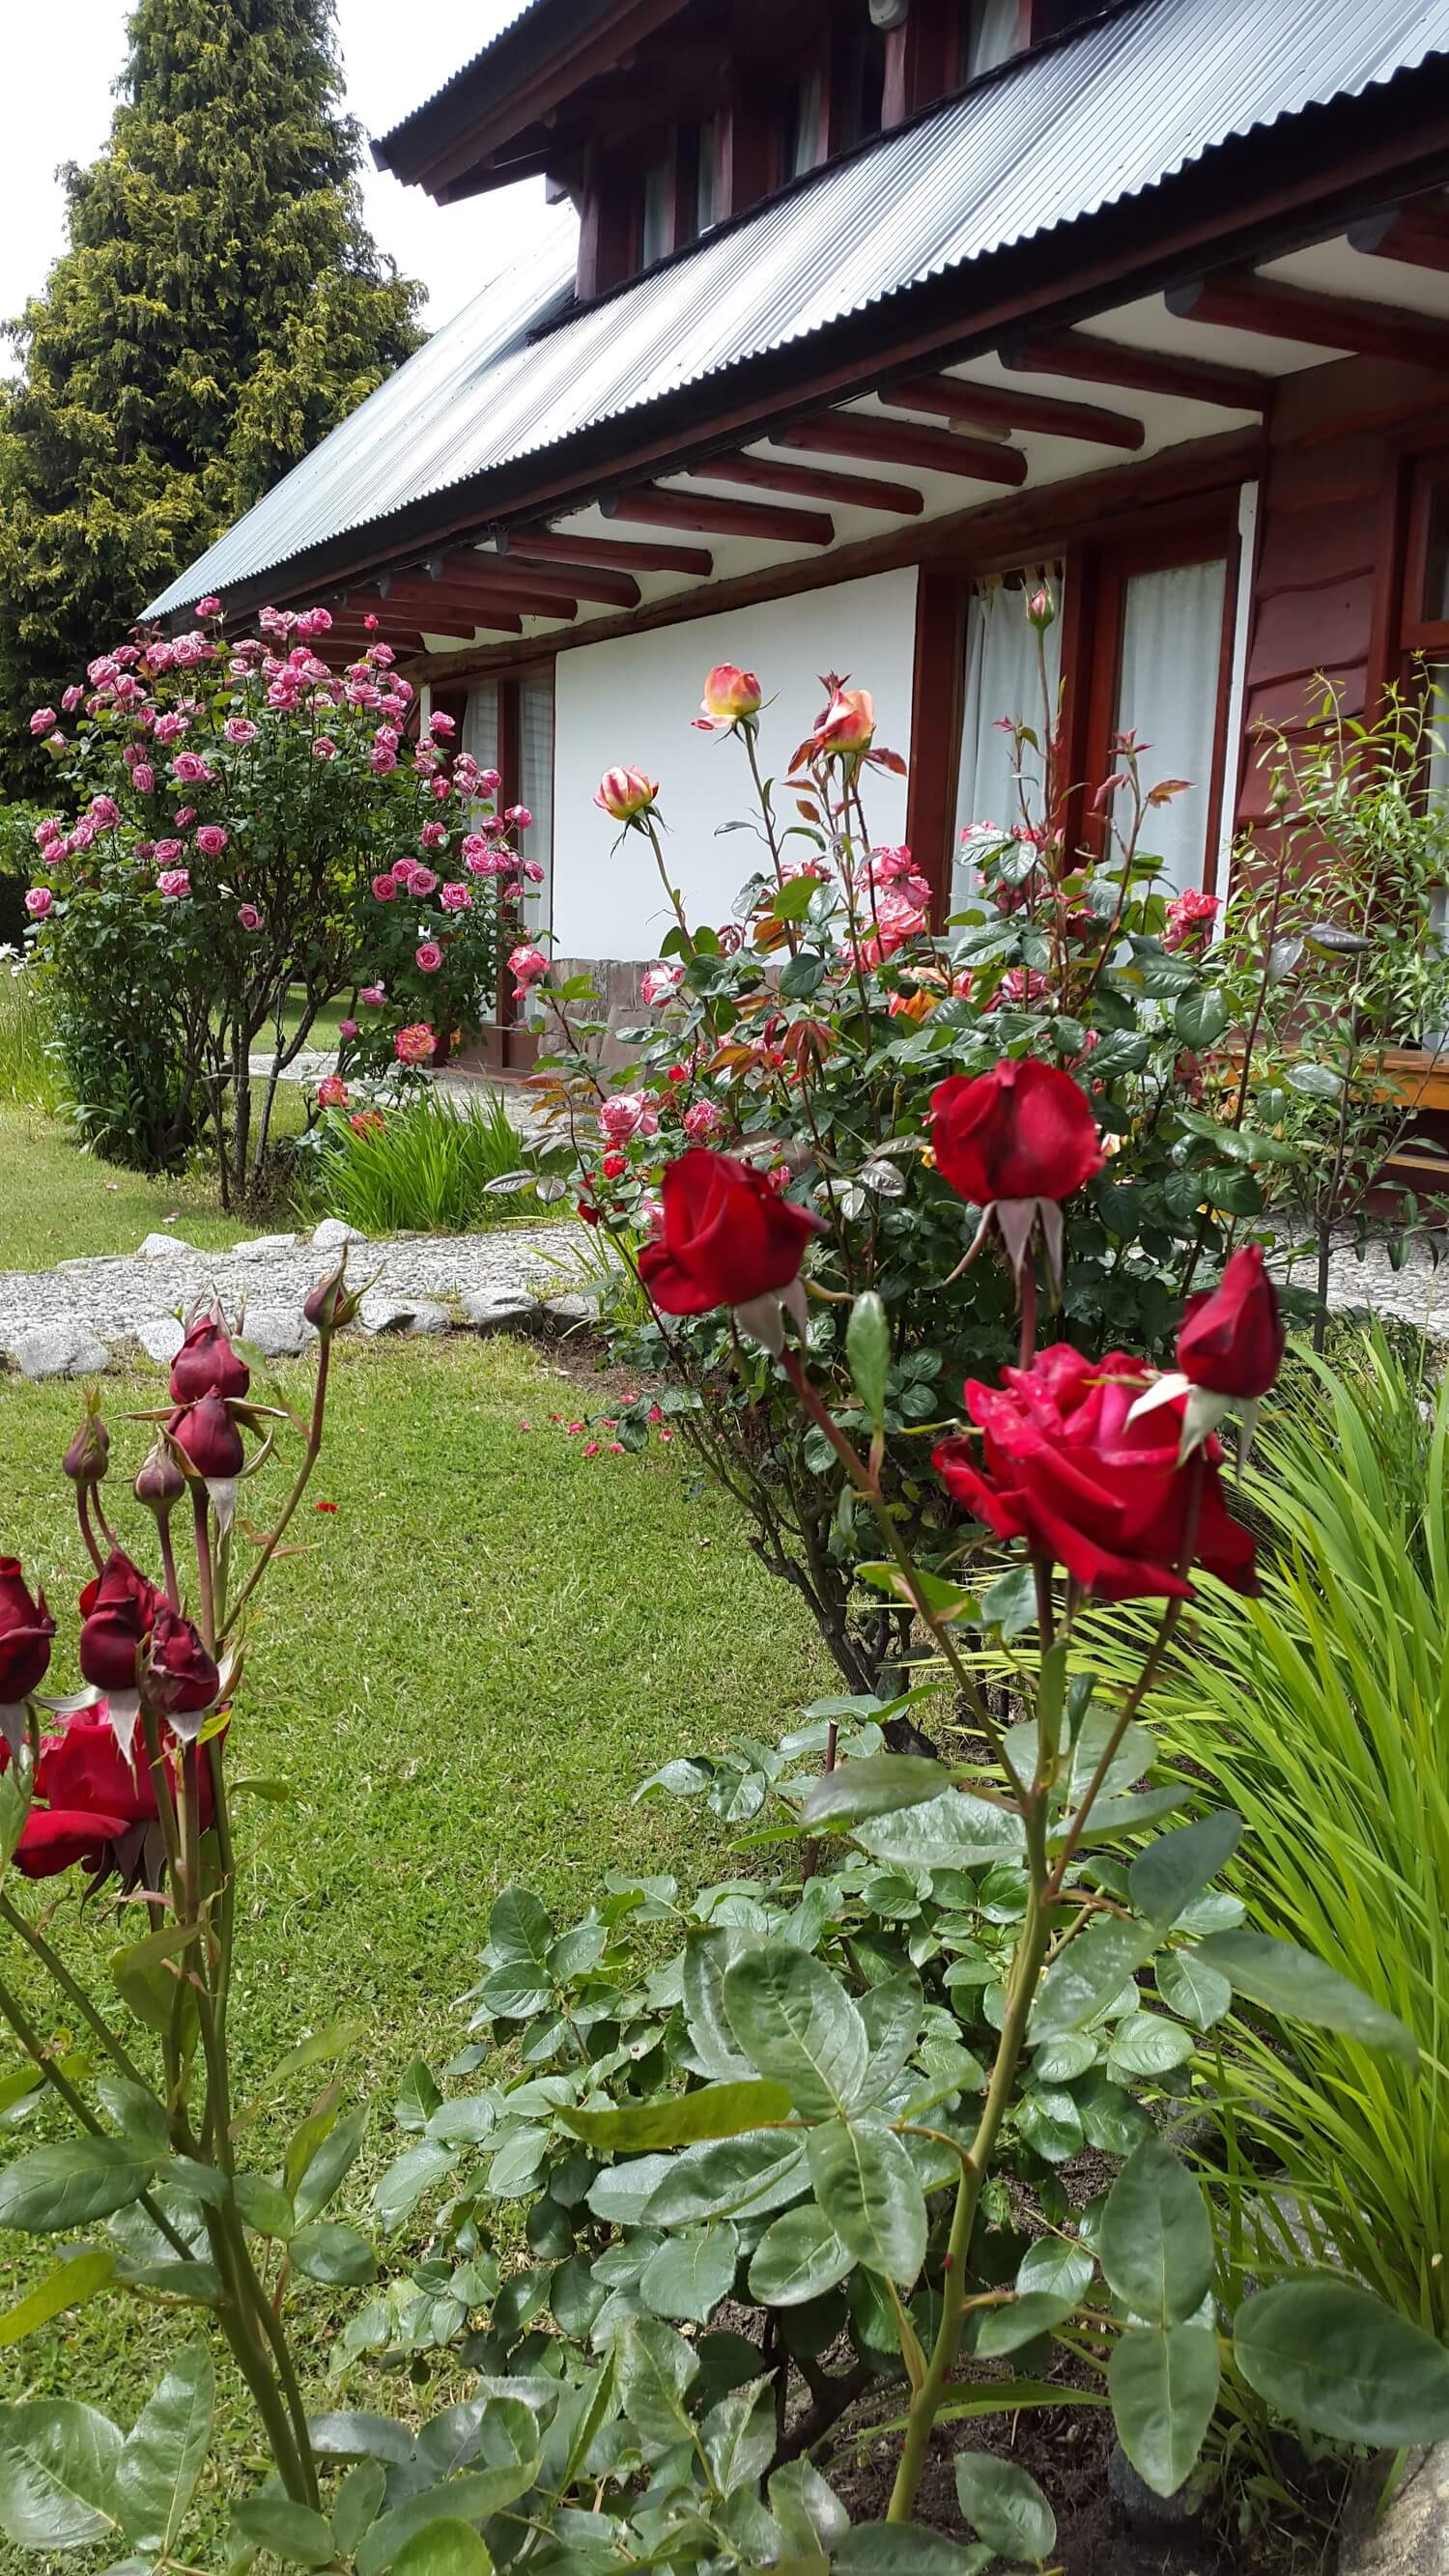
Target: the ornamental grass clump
pixel 881 1073
pixel 254 832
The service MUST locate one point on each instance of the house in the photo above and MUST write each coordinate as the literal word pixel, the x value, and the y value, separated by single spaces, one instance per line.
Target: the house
pixel 858 313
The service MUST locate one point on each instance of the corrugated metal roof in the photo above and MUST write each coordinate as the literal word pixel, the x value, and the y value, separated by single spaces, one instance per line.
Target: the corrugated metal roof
pixel 1058 135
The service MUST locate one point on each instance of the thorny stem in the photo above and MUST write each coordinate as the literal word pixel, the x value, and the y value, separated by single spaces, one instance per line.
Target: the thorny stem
pixel 87 1533
pixel 168 1559
pixel 652 836
pixel 206 1595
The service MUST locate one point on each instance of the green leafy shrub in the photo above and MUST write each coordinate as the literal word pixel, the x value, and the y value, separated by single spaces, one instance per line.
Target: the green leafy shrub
pixel 17 868
pixel 30 1075
pixel 419 1165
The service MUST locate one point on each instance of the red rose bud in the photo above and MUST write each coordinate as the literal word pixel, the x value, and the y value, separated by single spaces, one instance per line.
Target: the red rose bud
pixel 1231 1340
pixel 159 1482
pixel 727 1237
pixel 181 1677
pixel 1067 1463
pixel 117 1609
pixel 88 1456
pixel 55 1839
pixel 26 1629
pixel 1022 1131
pixel 206 1364
pixel 209 1439
pixel 331 1304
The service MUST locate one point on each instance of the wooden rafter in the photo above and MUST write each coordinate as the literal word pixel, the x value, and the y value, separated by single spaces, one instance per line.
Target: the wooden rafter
pixel 1091 361
pixel 436 600
pixel 1238 300
pixel 815 483
pixel 573 546
pixel 1002 407
pixel 890 442
pixel 610 589
pixel 648 504
pixel 1417 233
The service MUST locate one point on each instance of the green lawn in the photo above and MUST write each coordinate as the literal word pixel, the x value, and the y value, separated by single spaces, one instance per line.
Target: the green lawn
pixel 464 1677
pixel 57 1202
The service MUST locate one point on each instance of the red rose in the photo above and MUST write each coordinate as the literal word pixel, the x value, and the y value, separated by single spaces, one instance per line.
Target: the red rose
pixel 1062 1467
pixel 181 1677
pixel 55 1838
pixel 206 1364
pixel 1231 1341
pixel 727 1237
pixel 26 1629
pixel 118 1609
pixel 1022 1131
pixel 209 1439
pixel 84 1771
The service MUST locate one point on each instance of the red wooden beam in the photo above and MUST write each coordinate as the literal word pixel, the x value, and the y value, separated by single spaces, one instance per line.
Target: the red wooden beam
pixel 1001 407
pixel 508 585
pixel 438 616
pixel 1145 371
pixel 815 483
pixel 1418 234
pixel 436 601
pixel 892 442
pixel 612 589
pixel 1240 301
pixel 649 504
pixel 570 545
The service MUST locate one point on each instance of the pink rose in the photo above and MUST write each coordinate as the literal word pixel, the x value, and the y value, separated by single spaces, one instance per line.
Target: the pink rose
pixel 429 957
pixel 519 816
pixel 347 1028
pixel 660 984
pixel 490 780
pixel 402 870
pixel 249 917
pixel 456 898
pixel 627 1114
pixel 422 880
pixel 315 621
pixel 415 1044
pixel 441 724
pixel 526 966
pixel 184 814
pixel 42 720
pixel 385 888
pixel 533 870
pixel 211 840
pixel 72 697
pixel 332 1092
pixel 381 759
pixel 240 730
pixel 374 995
pixel 434 836
pixel 702 1121
pixel 324 748
pixel 106 812
pixel 207 607
pixel 143 778
pixel 174 882
pixel 38 902
pixel 165 851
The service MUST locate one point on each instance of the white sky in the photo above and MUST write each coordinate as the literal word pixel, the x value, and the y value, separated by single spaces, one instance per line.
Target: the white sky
pixel 56 105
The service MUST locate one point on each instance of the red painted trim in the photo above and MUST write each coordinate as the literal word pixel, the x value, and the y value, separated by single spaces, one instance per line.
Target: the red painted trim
pixel 889 442
pixel 572 546
pixel 581 581
pixel 937 700
pixel 998 405
pixel 1418 234
pixel 1090 360
pixel 1240 301
pixel 652 506
pixel 1390 584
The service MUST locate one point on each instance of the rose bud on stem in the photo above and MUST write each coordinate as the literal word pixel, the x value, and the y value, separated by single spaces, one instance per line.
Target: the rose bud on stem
pixel 86 1462
pixel 159 1486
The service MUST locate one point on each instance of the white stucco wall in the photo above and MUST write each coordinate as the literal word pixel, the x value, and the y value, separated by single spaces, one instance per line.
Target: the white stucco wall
pixel 631 702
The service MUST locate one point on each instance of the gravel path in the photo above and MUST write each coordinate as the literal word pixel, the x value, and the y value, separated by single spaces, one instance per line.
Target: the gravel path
pixel 63 1322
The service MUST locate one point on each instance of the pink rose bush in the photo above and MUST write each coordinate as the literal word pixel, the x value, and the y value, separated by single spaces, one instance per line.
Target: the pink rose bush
pixel 246 819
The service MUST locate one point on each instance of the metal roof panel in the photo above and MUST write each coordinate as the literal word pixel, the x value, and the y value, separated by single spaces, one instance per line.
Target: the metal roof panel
pixel 1053 136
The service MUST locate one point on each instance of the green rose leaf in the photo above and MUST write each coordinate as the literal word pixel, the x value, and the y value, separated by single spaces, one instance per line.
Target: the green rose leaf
pixel 1156 2243
pixel 1291 1981
pixel 1177 1867
pixel 68 2286
pixel 1190 1987
pixel 471 2498
pixel 689 2275
pixel 1005 2506
pixel 739 2435
pixel 337 2255
pixel 1201 1016
pixel 867 2186
pixel 1006 2329
pixel 880 1786
pixel 1085 1976
pixel 656 2367
pixel 292 2532
pixel 57 2475
pixel 714 2111
pixel 1333 2357
pixel 797 2023
pixel 904 2549
pixel 164 2452
pixel 444 2548
pixel 70 2184
pixel 868 1351
pixel 1163 2383
pixel 799 2257
pixel 326 2167
pixel 1148 2044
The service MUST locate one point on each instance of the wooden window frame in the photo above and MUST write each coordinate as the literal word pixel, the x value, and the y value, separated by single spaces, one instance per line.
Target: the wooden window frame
pixel 1095 573
pixel 1429 475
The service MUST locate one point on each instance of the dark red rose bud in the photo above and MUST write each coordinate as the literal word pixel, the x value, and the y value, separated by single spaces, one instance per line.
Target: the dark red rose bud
pixel 26 1629
pixel 331 1305
pixel 56 1838
pixel 1231 1340
pixel 209 1438
pixel 206 1364
pixel 1022 1131
pixel 728 1237
pixel 118 1609
pixel 181 1677
pixel 88 1456
pixel 159 1482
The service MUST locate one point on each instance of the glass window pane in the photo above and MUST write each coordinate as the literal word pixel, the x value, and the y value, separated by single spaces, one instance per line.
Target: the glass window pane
pixel 1167 692
pixel 990 35
pixel 1002 681
pixel 706 156
pixel 480 724
pixel 800 128
pixel 535 789
pixel 658 191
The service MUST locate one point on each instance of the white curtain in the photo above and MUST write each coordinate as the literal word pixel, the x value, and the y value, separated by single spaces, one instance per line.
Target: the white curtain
pixel 1167 691
pixel 480 724
pixel 1002 679
pixel 535 788
pixel 992 35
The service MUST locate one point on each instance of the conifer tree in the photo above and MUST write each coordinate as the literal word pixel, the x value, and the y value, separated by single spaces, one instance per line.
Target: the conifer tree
pixel 221 305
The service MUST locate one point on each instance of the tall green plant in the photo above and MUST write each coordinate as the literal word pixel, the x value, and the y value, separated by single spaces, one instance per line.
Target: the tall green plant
pixel 422 1167
pixel 1322 1712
